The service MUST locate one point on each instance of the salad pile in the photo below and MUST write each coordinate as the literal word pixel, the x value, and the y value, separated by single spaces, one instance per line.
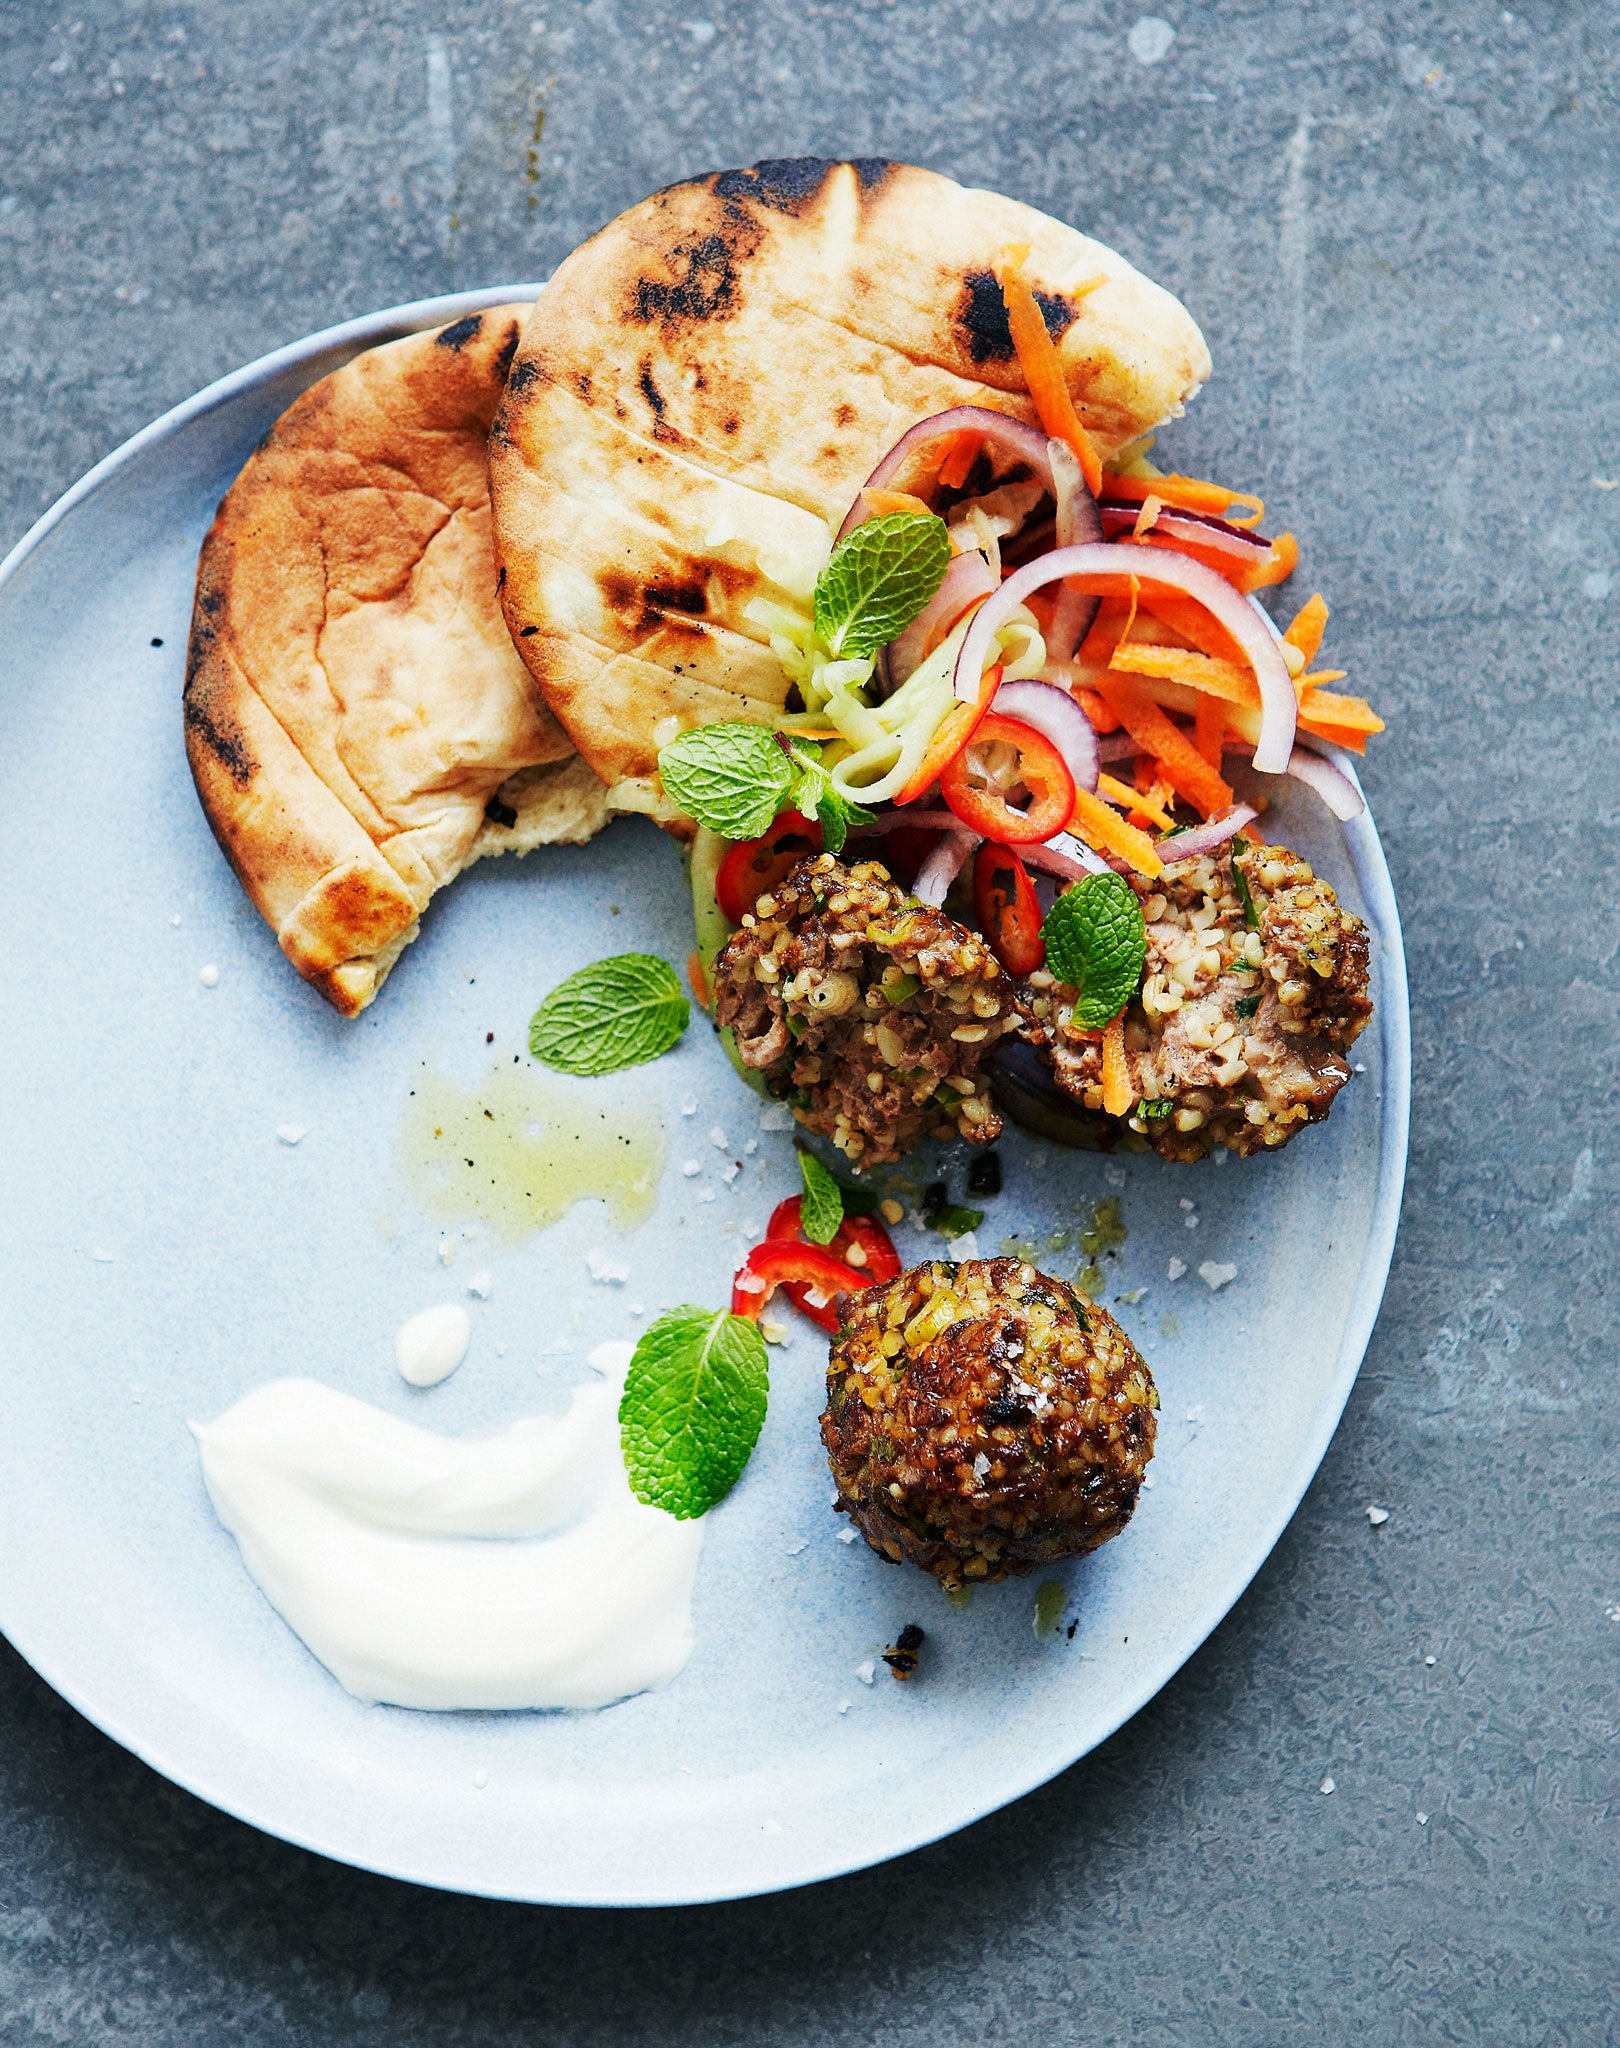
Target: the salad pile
pixel 1045 674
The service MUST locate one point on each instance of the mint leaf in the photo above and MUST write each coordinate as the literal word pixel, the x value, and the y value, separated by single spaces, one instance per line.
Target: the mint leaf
pixel 1096 941
pixel 614 1013
pixel 949 1218
pixel 878 580
pixel 692 1408
pixel 732 777
pixel 821 1208
pixel 814 797
pixel 1245 1006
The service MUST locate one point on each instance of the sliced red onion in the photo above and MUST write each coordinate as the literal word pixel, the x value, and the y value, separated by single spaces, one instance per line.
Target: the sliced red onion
pixel 1203 839
pixel 1012 437
pixel 1078 520
pixel 1055 714
pixel 1064 855
pixel 1118 746
pixel 943 865
pixel 1329 781
pixel 1119 515
pixel 1196 580
pixel 969 576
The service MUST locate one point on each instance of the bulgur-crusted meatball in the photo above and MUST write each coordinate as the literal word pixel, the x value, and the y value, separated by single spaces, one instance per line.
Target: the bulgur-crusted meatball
pixel 868 1011
pixel 1244 1013
pixel 982 1419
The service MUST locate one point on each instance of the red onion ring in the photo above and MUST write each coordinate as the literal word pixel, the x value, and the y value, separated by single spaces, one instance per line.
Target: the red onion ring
pixel 1329 781
pixel 1118 746
pixel 1203 839
pixel 1120 516
pixel 1064 855
pixel 897 820
pixel 1012 437
pixel 1057 717
pixel 1078 520
pixel 1278 708
pixel 943 865
pixel 969 576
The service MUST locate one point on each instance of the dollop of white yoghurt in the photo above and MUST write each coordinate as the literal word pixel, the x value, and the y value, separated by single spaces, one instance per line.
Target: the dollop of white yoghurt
pixel 430 1346
pixel 515 1571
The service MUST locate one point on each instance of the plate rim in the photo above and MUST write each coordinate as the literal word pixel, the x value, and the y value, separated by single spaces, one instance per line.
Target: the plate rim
pixel 1364 849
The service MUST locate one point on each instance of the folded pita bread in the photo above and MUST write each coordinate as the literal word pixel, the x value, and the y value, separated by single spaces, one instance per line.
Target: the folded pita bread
pixel 358 725
pixel 706 384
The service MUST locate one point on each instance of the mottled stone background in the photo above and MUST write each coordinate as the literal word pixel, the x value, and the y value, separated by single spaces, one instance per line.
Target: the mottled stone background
pixel 1397 226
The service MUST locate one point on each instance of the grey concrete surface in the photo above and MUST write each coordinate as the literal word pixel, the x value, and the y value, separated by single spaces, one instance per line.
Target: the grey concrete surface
pixel 1397 226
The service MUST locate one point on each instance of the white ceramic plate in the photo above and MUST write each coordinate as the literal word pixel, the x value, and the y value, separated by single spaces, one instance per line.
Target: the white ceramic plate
pixel 161 1252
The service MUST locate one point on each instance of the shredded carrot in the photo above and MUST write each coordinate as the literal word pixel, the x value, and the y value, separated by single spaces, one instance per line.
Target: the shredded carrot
pixel 1140 803
pixel 1042 366
pixel 959 459
pixel 1117 1094
pixel 1328 707
pixel 1188 492
pixel 1101 716
pixel 1345 736
pixel 1209 730
pixel 1190 774
pixel 883 502
pixel 1107 832
pixel 1184 665
pixel 1196 626
pixel 697 975
pixel 1277 567
pixel 1147 518
pixel 1304 685
pixel 1306 627
pixel 1155 795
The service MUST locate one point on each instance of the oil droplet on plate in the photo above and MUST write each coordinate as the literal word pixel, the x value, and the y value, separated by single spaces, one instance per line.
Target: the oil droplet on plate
pixel 522 1148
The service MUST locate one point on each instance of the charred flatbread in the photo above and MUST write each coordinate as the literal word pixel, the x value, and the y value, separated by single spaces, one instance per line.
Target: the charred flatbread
pixel 358 724
pixel 706 384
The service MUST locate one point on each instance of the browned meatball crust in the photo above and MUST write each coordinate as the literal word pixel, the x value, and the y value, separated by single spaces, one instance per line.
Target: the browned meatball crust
pixel 983 1419
pixel 1238 1032
pixel 868 1011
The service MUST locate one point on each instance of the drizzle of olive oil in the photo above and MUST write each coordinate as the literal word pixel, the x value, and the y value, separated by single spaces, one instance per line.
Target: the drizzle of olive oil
pixel 521 1148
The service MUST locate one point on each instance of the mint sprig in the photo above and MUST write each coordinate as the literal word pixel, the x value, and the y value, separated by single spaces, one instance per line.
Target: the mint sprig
pixel 878 580
pixel 692 1408
pixel 1096 941
pixel 734 777
pixel 821 1207
pixel 614 1013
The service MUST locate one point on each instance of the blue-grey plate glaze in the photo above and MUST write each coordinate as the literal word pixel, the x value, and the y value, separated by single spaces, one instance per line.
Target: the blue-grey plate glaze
pixel 161 1251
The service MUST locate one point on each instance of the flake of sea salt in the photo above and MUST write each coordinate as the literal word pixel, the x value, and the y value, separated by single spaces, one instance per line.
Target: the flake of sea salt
pixel 692 1168
pixel 291 1134
pixel 1378 1516
pixel 1327 1785
pixel 1215 1276
pixel 719 1140
pixel 866 1670
pixel 1176 1268
pixel 606 1271
pixel 482 1284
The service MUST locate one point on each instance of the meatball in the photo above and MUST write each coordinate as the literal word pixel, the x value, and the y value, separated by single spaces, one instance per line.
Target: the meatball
pixel 867 1010
pixel 982 1419
pixel 1253 990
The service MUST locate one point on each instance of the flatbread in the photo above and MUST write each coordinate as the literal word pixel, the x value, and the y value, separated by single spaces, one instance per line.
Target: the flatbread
pixel 358 725
pixel 706 384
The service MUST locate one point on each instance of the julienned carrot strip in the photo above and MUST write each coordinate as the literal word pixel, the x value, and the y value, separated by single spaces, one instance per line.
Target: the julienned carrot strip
pixel 1277 567
pixel 1303 685
pixel 1209 729
pixel 1101 715
pixel 1345 736
pixel 1107 832
pixel 959 460
pixel 1042 366
pixel 1305 628
pixel 1137 802
pixel 1194 624
pixel 1116 1075
pixel 1185 665
pixel 1191 493
pixel 1155 797
pixel 1190 774
pixel 697 975
pixel 882 502
pixel 1326 707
